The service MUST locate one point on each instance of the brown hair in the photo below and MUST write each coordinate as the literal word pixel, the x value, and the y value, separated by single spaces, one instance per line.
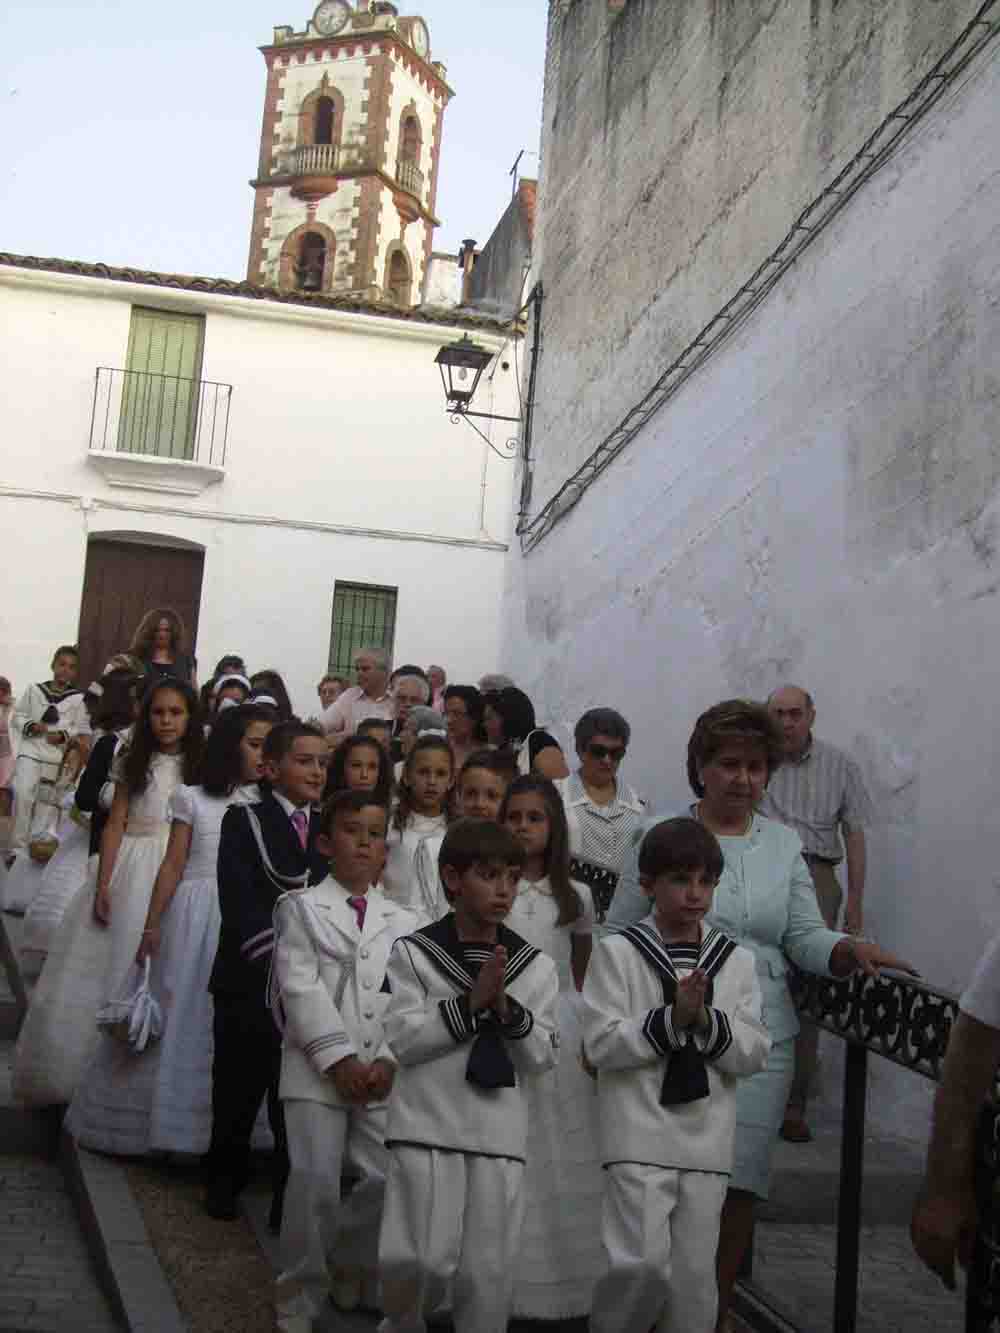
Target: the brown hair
pixel 556 861
pixel 142 640
pixel 732 720
pixel 404 806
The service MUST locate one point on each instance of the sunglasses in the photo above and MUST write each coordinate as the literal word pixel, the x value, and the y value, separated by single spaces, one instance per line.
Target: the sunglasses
pixel 615 753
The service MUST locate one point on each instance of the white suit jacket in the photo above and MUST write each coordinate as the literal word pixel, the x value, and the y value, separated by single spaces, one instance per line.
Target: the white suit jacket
pixel 328 976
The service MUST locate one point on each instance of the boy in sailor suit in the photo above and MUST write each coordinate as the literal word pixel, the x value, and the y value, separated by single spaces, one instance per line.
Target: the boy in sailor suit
pixel 47 717
pixel 332 943
pixel 471 1015
pixel 672 1018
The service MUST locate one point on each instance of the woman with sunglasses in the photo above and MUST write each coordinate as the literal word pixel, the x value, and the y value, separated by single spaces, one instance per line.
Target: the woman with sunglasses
pixel 602 811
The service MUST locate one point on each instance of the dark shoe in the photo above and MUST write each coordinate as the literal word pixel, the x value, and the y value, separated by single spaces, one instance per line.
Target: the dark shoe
pixel 220 1203
pixel 794 1128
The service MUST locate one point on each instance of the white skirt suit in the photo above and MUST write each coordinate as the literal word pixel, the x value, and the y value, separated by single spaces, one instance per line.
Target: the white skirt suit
pixel 765 901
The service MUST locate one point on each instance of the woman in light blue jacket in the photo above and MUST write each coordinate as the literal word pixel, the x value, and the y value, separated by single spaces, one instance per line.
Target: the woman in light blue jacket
pixel 765 900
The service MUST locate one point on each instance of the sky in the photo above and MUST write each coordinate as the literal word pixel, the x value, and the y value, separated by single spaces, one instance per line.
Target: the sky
pixel 133 129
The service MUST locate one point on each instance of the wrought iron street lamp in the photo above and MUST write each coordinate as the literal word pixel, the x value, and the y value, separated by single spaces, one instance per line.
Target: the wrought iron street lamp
pixel 461 365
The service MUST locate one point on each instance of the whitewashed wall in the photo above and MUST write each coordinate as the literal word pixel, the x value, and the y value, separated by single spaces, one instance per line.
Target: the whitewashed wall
pixel 820 504
pixel 337 423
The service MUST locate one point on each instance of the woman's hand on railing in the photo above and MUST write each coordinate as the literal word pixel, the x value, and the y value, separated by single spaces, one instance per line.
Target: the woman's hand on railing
pixel 852 954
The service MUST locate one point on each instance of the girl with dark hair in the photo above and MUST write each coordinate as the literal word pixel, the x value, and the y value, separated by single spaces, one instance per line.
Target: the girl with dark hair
pixel 423 808
pixel 560 1255
pixel 159 644
pixel 95 946
pixel 359 764
pixel 163 1102
pixel 267 687
pixel 509 719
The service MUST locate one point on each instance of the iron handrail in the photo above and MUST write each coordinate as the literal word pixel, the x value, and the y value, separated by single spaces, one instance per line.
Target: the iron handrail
pixel 156 414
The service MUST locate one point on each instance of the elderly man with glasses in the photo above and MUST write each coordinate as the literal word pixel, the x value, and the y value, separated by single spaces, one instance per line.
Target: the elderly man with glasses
pixel 602 811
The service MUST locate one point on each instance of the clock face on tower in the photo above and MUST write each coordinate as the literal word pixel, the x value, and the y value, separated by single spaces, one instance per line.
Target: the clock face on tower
pixel 418 38
pixel 331 16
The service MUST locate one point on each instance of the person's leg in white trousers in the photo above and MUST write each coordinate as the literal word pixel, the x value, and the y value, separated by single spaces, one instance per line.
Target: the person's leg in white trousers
pixel 318 1229
pixel 450 1220
pixel 660 1231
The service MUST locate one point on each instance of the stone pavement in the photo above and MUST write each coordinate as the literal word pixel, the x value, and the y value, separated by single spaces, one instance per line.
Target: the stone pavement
pixel 47 1283
pixel 795 1241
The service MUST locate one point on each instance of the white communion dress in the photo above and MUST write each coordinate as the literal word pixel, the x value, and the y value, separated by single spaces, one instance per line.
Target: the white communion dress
pixel 161 1100
pixel 60 881
pixel 561 1255
pixel 88 963
pixel 398 879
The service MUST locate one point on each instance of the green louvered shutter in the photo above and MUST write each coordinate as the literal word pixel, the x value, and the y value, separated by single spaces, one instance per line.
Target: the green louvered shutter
pixel 159 410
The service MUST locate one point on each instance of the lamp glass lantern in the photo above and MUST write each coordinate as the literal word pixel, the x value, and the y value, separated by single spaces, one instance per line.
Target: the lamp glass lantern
pixel 456 362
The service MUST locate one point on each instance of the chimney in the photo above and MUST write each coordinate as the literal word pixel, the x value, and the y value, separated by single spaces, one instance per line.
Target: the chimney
pixel 466 262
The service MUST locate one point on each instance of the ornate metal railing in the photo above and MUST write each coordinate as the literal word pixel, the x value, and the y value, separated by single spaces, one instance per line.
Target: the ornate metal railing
pixel 909 1023
pixel 311 158
pixel 162 416
pixel 410 177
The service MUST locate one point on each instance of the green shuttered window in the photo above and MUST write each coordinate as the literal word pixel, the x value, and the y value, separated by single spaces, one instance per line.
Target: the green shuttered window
pixel 159 410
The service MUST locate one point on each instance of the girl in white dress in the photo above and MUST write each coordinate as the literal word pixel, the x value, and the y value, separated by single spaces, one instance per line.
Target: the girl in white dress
pixel 96 943
pixel 423 808
pixel 161 1100
pixel 561 1254
pixel 112 705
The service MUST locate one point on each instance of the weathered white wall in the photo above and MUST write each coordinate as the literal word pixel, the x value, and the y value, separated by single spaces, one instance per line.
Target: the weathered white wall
pixel 337 421
pixel 819 503
pixel 679 142
pixel 443 283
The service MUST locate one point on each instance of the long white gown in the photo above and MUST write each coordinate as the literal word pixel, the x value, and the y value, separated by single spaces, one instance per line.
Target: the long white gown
pixel 88 963
pixel 161 1100
pixel 561 1255
pixel 60 882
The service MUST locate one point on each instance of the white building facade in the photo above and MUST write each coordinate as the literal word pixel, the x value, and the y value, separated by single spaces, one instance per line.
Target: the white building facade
pixel 819 501
pixel 283 470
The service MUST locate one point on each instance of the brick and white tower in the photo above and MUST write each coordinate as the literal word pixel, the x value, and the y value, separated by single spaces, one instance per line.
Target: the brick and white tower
pixel 349 155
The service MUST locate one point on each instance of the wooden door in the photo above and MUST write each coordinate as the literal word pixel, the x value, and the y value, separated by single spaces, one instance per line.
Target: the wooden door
pixel 123 581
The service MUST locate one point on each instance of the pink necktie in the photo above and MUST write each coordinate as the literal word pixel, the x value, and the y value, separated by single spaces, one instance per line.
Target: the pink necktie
pixel 360 906
pixel 300 823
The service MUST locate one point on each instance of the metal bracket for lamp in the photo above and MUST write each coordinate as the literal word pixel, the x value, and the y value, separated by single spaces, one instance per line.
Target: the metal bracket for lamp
pixel 458 360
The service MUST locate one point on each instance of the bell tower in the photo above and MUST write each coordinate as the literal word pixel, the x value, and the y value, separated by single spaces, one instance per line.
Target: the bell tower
pixel 349 152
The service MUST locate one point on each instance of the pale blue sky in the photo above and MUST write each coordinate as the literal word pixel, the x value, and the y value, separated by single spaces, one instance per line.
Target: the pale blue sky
pixel 132 129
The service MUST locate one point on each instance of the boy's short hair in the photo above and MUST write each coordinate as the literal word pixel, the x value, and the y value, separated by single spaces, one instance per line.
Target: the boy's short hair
pixel 351 802
pixel 370 724
pixel 66 650
pixel 680 845
pixel 501 762
pixel 474 842
pixel 281 738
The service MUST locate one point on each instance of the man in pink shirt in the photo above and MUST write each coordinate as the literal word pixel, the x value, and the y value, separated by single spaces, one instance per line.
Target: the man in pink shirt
pixel 369 698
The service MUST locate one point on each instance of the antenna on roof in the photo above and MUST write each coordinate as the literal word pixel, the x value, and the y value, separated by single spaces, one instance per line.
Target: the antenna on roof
pixel 513 170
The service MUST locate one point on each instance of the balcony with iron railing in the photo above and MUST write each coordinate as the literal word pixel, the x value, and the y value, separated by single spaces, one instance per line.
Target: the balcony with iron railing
pixel 165 432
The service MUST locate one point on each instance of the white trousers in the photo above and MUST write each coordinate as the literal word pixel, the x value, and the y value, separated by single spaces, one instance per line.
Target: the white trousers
pixel 320 1231
pixel 660 1230
pixel 452 1221
pixel 28 773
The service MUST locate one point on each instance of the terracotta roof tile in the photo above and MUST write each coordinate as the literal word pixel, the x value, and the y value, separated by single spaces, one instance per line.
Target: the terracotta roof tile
pixel 527 193
pixel 354 304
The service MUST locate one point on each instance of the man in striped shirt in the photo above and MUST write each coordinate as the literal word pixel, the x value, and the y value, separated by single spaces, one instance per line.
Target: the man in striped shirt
pixel 819 792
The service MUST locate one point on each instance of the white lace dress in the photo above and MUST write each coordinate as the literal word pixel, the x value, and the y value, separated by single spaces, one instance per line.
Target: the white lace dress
pixel 88 963
pixel 399 879
pixel 161 1100
pixel 561 1256
pixel 61 880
